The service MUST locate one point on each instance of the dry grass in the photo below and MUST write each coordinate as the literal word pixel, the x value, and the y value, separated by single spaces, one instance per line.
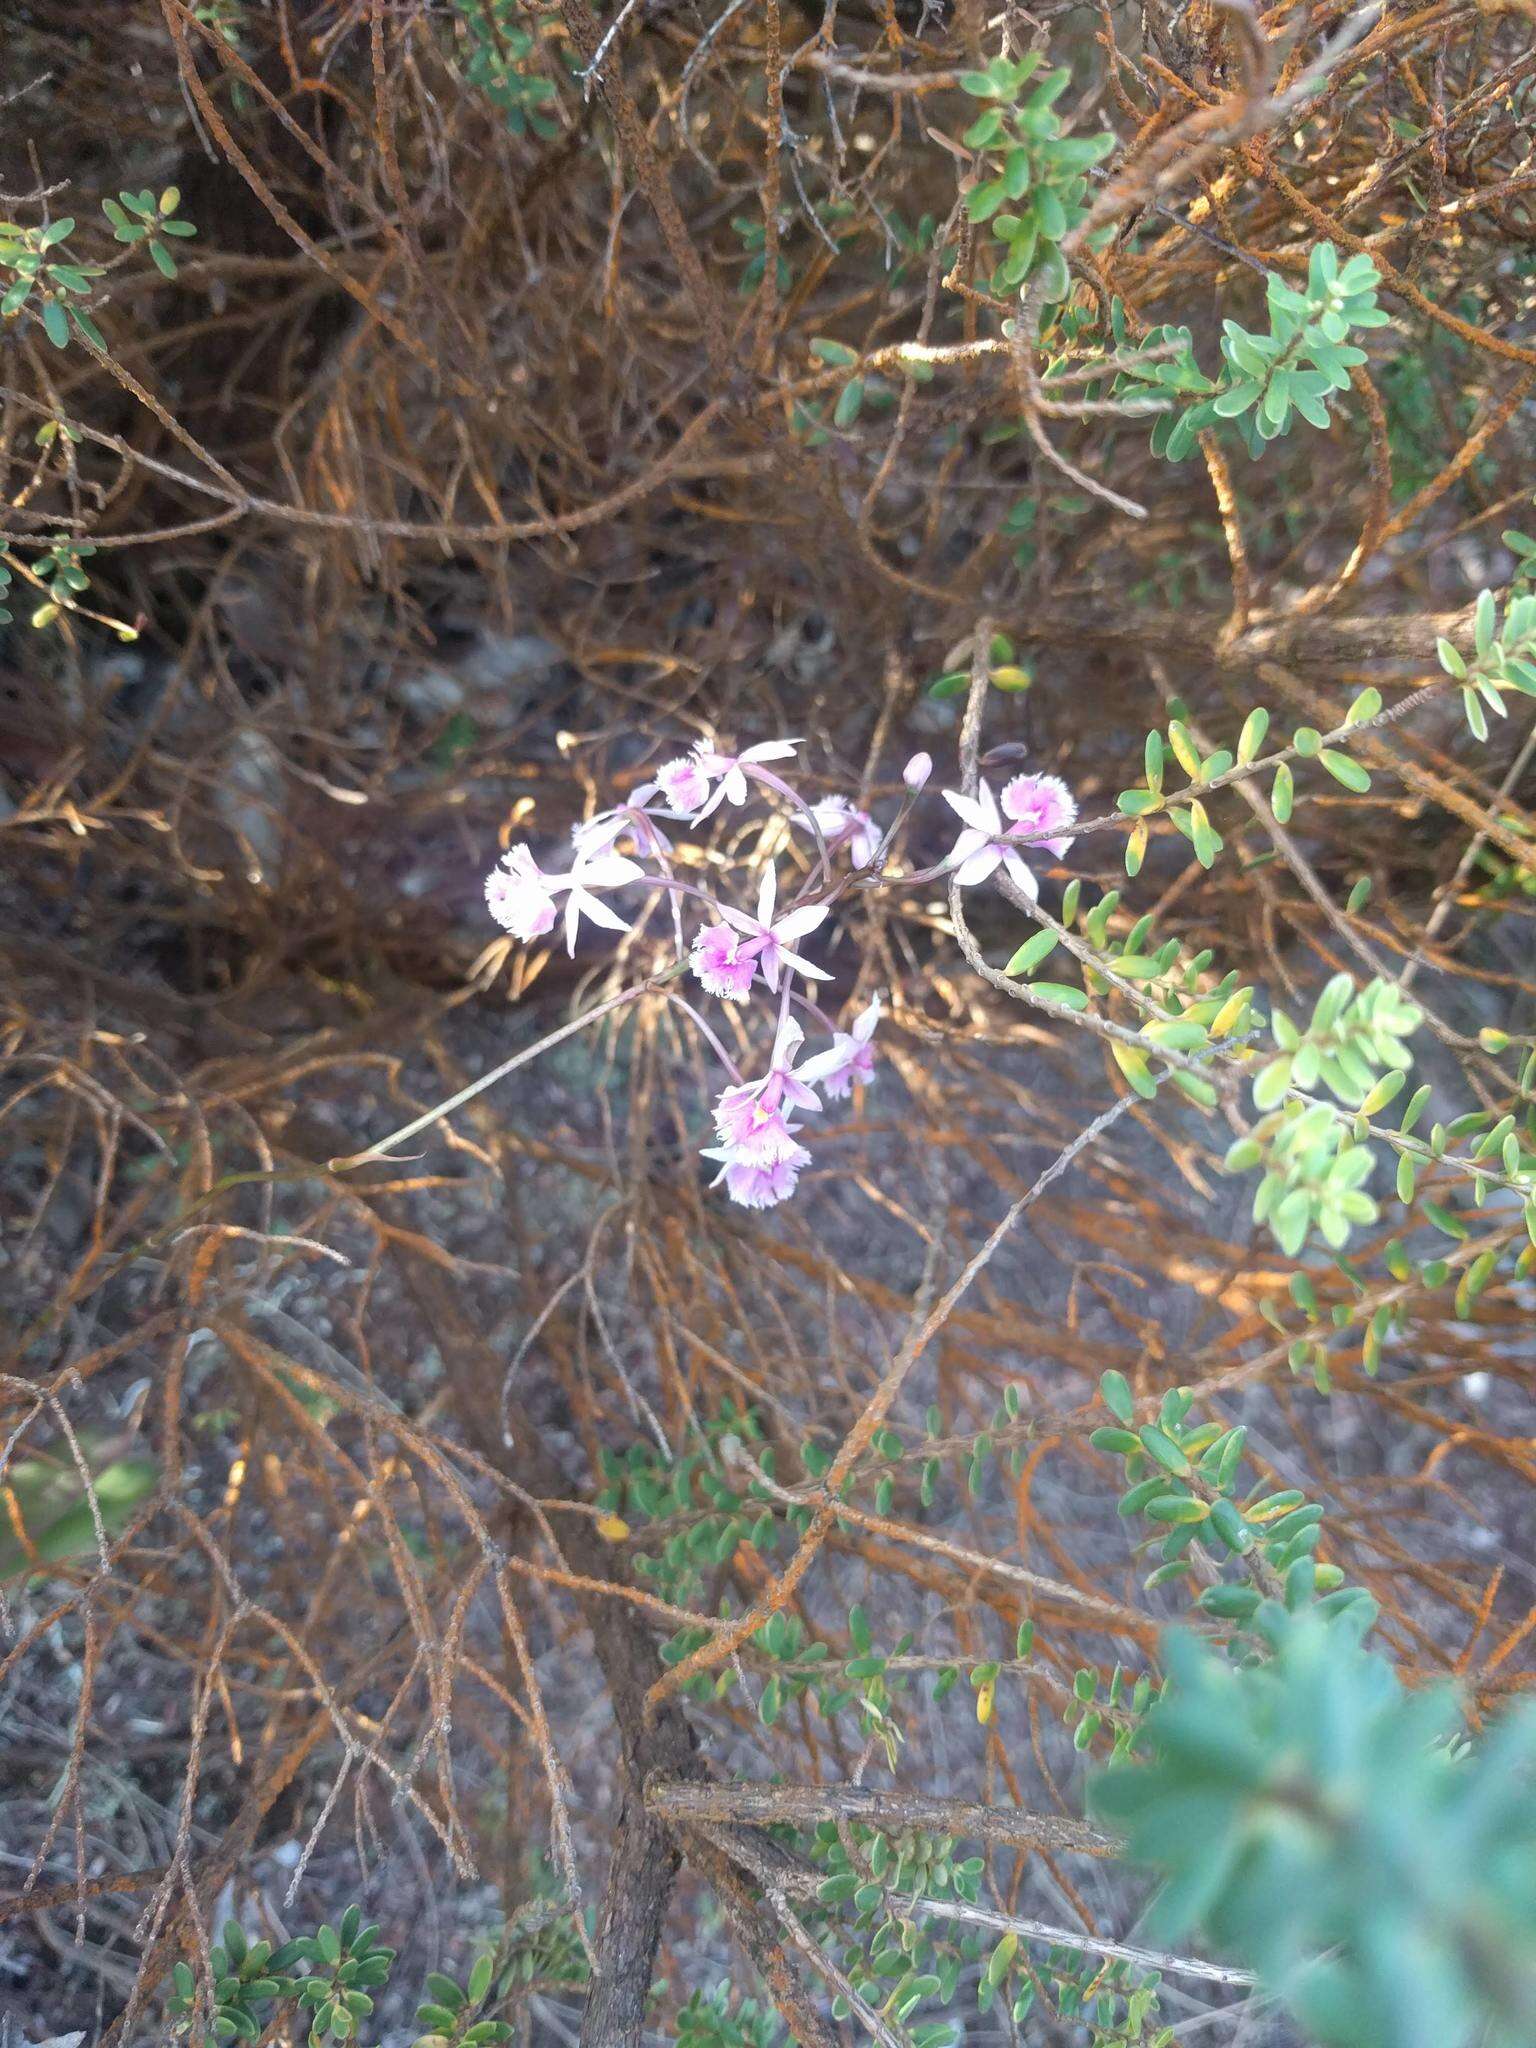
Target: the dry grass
pixel 423 387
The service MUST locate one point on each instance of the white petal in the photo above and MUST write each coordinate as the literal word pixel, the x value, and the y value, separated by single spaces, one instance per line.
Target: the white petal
pixel 597 835
pixel 599 912
pixel 970 842
pixel 766 896
pixel 969 810
pixel 819 1064
pixel 727 1158
pixel 802 966
pixel 734 786
pixel 795 924
pixel 864 1024
pixel 608 871
pixel 770 750
pixel 738 920
pixel 1014 868
pixel 978 866
pixel 791 1033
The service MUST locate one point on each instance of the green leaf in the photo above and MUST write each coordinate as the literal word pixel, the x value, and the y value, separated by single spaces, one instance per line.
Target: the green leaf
pixel 55 323
pixel 1205 839
pixel 1344 770
pixel 982 201
pixel 1034 952
pixel 849 402
pixel 1485 621
pixel 1236 398
pixel 954 683
pixel 1000 1960
pixel 1178 1510
pixel 1120 1442
pixel 1251 739
pixel 1446 1220
pixel 1163 1450
pixel 1115 1393
pixel 1063 993
pixel 1132 1062
pixel 1230 1603
pixel 59 1523
pixel 1229 1525
pixel 1050 213
pixel 1366 705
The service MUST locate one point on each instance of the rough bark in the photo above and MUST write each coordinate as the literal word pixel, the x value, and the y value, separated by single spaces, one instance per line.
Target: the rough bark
pixel 686 1802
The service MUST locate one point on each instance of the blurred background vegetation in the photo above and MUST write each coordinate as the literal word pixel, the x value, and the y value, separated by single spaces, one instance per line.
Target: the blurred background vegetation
pixel 422 417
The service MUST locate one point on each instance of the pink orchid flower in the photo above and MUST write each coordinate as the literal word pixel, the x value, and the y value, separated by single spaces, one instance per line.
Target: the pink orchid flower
pixel 1041 804
pixel 759 1159
pixel 520 896
pixel 732 769
pixel 683 782
pixel 986 843
pixel 724 962
pixel 841 824
pixel 686 782
pixel 850 1057
pixel 769 938
pixel 757 1186
pixel 750 1118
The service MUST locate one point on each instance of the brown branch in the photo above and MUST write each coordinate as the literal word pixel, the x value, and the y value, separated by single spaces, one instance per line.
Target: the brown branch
pixel 1003 1827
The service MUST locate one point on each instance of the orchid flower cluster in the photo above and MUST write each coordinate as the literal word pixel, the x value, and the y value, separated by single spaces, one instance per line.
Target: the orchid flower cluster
pixel 733 952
